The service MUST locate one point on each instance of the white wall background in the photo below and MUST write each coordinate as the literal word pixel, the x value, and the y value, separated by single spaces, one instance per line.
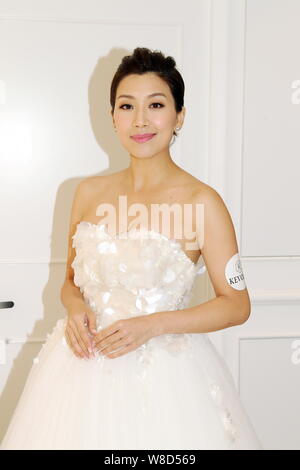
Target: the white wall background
pixel 239 62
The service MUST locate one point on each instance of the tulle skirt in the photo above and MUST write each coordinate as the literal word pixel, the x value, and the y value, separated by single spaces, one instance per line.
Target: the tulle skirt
pixel 164 395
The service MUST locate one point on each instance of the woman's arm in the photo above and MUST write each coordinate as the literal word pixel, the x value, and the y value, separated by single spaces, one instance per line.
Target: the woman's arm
pixel 231 306
pixel 215 314
pixel 78 312
pixel 70 294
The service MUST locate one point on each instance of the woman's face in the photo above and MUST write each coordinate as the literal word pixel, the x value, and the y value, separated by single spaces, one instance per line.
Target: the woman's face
pixel 140 113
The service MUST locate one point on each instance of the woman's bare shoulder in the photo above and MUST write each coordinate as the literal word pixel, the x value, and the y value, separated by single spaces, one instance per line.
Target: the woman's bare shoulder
pixel 198 188
pixel 205 194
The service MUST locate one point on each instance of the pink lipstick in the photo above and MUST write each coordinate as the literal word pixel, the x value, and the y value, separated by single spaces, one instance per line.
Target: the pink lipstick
pixel 140 138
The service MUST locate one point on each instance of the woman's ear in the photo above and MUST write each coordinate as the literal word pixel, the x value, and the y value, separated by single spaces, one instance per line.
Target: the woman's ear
pixel 180 117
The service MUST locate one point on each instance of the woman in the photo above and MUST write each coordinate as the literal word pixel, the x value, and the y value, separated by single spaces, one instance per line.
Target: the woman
pixel 151 378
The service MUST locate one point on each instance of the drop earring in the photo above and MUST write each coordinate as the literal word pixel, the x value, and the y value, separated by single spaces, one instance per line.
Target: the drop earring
pixel 174 136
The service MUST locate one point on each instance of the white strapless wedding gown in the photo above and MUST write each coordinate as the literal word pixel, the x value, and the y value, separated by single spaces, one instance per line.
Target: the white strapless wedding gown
pixel 174 392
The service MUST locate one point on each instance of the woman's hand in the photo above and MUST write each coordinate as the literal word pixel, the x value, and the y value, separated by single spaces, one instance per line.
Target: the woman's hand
pixel 80 329
pixel 127 334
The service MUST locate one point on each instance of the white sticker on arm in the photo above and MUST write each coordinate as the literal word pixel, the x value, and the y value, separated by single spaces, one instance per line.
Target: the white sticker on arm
pixel 234 273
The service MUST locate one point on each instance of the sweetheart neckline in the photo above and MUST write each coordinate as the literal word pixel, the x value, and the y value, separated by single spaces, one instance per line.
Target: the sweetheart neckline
pixel 172 240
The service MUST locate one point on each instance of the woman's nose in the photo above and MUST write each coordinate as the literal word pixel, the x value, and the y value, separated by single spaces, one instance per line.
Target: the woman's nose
pixel 140 117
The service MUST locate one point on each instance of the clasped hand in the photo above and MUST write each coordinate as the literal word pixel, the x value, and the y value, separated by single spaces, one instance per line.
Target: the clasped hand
pixel 123 336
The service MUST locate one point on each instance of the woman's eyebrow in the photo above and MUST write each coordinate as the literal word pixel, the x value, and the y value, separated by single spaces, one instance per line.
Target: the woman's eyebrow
pixel 149 96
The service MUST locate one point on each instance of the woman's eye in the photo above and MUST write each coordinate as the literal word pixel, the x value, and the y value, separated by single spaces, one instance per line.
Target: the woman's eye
pixel 160 104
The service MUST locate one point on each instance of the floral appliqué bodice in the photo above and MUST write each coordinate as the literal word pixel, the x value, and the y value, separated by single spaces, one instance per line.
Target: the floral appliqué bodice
pixel 137 272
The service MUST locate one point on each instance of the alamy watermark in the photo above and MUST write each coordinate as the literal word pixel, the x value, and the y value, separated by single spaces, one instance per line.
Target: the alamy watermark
pixel 184 219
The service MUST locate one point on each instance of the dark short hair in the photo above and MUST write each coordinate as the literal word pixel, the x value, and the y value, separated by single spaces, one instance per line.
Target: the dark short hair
pixel 144 60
